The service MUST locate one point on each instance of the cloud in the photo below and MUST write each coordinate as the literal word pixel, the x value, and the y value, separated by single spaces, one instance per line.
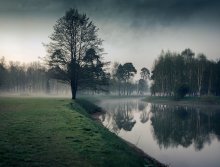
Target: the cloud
pixel 139 11
pixel 133 30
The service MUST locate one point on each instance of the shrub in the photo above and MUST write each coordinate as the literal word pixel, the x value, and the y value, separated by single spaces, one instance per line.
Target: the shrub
pixel 181 91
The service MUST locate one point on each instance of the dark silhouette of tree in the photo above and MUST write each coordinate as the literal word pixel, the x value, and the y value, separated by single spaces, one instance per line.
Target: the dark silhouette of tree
pixel 190 68
pixel 129 72
pixel 28 79
pixel 75 53
pixel 142 86
pixel 172 70
pixel 114 83
pixel 142 83
pixel 188 54
pixel 181 91
pixel 216 79
pixel 124 74
pixel 93 75
pixel 201 65
pixel 145 73
pixel 120 77
pixel 3 71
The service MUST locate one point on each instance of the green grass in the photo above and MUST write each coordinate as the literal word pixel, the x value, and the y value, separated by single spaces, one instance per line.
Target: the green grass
pixel 51 132
pixel 88 106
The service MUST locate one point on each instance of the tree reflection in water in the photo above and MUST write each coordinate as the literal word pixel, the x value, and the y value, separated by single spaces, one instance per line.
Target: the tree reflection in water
pixel 120 115
pixel 124 118
pixel 172 126
pixel 144 114
pixel 178 125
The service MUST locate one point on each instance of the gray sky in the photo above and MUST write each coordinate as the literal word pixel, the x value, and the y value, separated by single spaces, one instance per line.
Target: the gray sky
pixel 133 30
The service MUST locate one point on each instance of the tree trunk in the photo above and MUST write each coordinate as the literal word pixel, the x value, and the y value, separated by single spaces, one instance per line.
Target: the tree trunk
pixel 210 83
pixel 119 89
pixel 73 89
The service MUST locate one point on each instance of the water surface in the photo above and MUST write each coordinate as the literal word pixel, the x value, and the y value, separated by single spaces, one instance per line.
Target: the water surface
pixel 176 135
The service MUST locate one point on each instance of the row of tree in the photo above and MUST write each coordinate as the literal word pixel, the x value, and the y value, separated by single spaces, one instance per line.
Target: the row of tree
pixel 172 74
pixel 35 78
pixel 32 78
pixel 75 58
pixel 122 80
pixel 184 73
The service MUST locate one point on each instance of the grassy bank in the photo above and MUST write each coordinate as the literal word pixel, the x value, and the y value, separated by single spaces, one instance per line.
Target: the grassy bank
pixel 57 132
pixel 201 101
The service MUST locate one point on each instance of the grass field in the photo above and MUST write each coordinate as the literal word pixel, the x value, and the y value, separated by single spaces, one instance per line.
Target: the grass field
pixel 52 132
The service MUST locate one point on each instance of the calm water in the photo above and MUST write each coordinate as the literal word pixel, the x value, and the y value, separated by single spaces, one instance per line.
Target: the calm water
pixel 175 135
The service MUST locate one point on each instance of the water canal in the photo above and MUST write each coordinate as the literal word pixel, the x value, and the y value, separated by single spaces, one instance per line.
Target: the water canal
pixel 180 136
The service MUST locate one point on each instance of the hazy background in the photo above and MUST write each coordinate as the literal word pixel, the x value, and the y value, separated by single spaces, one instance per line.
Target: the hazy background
pixel 133 30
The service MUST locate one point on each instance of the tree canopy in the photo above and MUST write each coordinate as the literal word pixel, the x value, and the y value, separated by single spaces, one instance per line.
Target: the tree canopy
pixel 183 73
pixel 75 53
pixel 124 73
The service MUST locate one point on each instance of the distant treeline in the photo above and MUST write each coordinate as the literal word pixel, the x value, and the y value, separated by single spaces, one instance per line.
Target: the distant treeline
pixel 75 64
pixel 122 83
pixel 27 79
pixel 173 74
pixel 184 73
pixel 35 78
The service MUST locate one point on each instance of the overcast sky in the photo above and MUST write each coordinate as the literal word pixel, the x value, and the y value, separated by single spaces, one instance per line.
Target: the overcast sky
pixel 133 30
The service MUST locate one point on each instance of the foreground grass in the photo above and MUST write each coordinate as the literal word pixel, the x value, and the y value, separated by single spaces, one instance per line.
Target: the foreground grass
pixel 51 132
